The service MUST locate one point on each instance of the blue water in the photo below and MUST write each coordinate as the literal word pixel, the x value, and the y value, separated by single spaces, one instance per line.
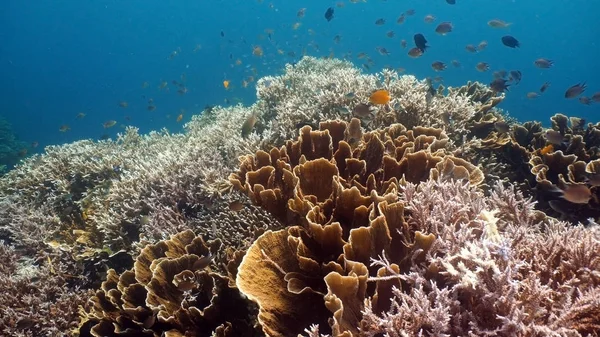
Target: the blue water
pixel 62 57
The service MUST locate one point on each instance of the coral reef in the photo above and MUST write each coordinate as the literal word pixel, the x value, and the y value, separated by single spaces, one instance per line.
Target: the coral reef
pixel 312 212
pixel 170 290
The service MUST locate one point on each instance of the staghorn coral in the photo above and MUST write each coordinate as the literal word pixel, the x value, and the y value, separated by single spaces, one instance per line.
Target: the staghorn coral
pixel 38 298
pixel 171 290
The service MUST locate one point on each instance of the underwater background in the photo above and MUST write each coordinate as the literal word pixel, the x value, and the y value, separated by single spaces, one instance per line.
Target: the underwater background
pixel 60 59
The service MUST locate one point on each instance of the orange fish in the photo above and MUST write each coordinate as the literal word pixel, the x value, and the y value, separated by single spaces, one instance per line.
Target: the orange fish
pixel 226 84
pixel 547 149
pixel 380 97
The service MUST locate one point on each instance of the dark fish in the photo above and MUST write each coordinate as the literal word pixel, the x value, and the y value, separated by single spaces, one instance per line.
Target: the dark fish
pixel 329 14
pixel 575 90
pixel 380 22
pixel 451 2
pixel 222 34
pixel 596 97
pixel 510 41
pixel 499 85
pixel 585 100
pixel 515 76
pixel 471 48
pixel 544 86
pixel 410 12
pixel 420 42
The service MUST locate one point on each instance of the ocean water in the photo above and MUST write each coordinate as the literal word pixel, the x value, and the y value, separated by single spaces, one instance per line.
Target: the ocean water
pixel 62 57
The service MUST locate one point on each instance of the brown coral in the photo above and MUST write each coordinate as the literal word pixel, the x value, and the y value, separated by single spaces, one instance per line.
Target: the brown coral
pixel 171 290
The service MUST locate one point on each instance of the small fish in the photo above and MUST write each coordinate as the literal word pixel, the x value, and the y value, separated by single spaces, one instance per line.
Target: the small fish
pixel 362 111
pixel 383 51
pixel 482 66
pixel 547 149
pixel 64 128
pixel 502 127
pixel 482 45
pixel 515 76
pixel 145 84
pixel 455 63
pixel 80 115
pixel 499 85
pixel 585 100
pixel 496 23
pixel 380 97
pixel 543 63
pixel 532 95
pixel 575 90
pixel 429 18
pixel 222 34
pixel 451 2
pixel 401 19
pixel 226 84
pixel 380 22
pixel 390 34
pixel 420 42
pixel 596 97
pixel 438 66
pixel 236 206
pixel 403 43
pixel 576 193
pixel 257 51
pixel 301 12
pixel 179 118
pixel 34 144
pixel 444 28
pixel 544 86
pixel 415 52
pixel 248 125
pixel 151 107
pixel 123 104
pixel 510 41
pixel 109 124
pixel 554 137
pixel 471 48
pixel 329 14
pixel 500 73
pixel 410 12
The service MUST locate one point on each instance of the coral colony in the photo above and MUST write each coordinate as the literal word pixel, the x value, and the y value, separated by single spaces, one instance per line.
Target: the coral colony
pixel 313 212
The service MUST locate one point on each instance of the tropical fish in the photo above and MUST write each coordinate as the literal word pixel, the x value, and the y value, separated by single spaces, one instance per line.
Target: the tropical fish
pixel 510 41
pixel 415 52
pixel 444 28
pixel 109 124
pixel 471 48
pixel 499 85
pixel 544 86
pixel 429 18
pixel 248 125
pixel 380 22
pixel 575 90
pixel 438 66
pixel 329 14
pixel 123 104
pixel 226 84
pixel 420 42
pixel 543 63
pixel 482 66
pixel 64 128
pixel 496 23
pixel 380 97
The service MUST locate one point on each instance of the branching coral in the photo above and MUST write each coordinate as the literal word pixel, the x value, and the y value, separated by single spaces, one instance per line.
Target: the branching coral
pixel 35 296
